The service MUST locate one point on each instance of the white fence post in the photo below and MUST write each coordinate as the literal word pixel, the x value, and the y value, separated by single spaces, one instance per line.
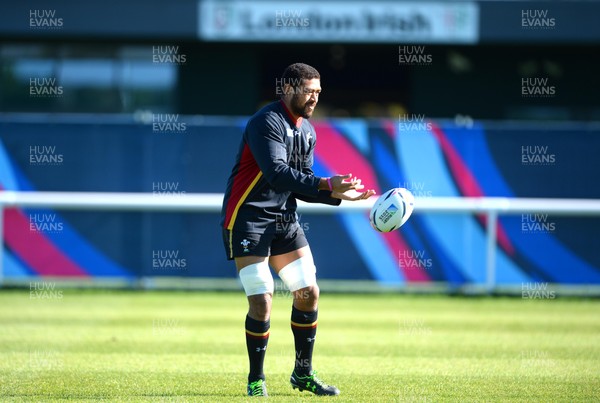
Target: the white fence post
pixel 490 264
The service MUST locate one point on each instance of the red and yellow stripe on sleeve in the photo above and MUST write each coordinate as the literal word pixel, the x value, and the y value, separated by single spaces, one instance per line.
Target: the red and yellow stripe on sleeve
pixel 244 181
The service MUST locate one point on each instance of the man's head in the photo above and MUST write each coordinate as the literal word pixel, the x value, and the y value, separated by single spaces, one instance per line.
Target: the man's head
pixel 300 89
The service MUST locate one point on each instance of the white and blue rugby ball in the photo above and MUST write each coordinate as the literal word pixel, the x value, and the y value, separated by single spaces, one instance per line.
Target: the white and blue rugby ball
pixel 392 209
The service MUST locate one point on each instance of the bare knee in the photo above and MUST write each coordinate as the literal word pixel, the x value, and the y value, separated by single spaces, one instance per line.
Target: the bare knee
pixel 260 307
pixel 307 299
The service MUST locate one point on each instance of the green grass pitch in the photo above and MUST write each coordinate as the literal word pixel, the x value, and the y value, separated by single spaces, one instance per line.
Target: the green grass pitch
pixel 189 346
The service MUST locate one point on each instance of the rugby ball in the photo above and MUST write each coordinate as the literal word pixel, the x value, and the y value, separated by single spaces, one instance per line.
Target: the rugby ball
pixel 392 209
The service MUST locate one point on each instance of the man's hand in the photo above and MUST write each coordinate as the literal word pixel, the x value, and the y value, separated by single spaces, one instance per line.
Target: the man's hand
pixel 340 183
pixel 353 195
pixel 343 183
pixel 345 187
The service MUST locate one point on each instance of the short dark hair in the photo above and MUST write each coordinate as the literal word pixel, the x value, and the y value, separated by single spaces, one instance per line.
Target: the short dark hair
pixel 295 73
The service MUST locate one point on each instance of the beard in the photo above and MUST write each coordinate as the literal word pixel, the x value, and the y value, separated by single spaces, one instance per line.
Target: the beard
pixel 302 108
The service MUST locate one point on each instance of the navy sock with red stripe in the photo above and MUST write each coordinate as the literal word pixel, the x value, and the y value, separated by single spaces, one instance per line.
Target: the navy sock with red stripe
pixel 257 338
pixel 304 327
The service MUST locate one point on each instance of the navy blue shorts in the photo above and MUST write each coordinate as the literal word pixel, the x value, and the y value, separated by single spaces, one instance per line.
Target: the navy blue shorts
pixel 239 244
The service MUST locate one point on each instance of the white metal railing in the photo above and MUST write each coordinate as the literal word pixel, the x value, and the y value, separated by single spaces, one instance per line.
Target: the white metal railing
pixel 491 207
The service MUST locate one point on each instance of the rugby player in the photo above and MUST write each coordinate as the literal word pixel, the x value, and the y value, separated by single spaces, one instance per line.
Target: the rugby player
pixel 273 168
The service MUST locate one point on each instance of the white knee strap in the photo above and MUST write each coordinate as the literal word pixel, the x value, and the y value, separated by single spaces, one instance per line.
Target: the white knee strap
pixel 299 274
pixel 257 279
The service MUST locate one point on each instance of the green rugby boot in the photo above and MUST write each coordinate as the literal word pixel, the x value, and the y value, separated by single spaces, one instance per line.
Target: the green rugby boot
pixel 312 384
pixel 257 388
